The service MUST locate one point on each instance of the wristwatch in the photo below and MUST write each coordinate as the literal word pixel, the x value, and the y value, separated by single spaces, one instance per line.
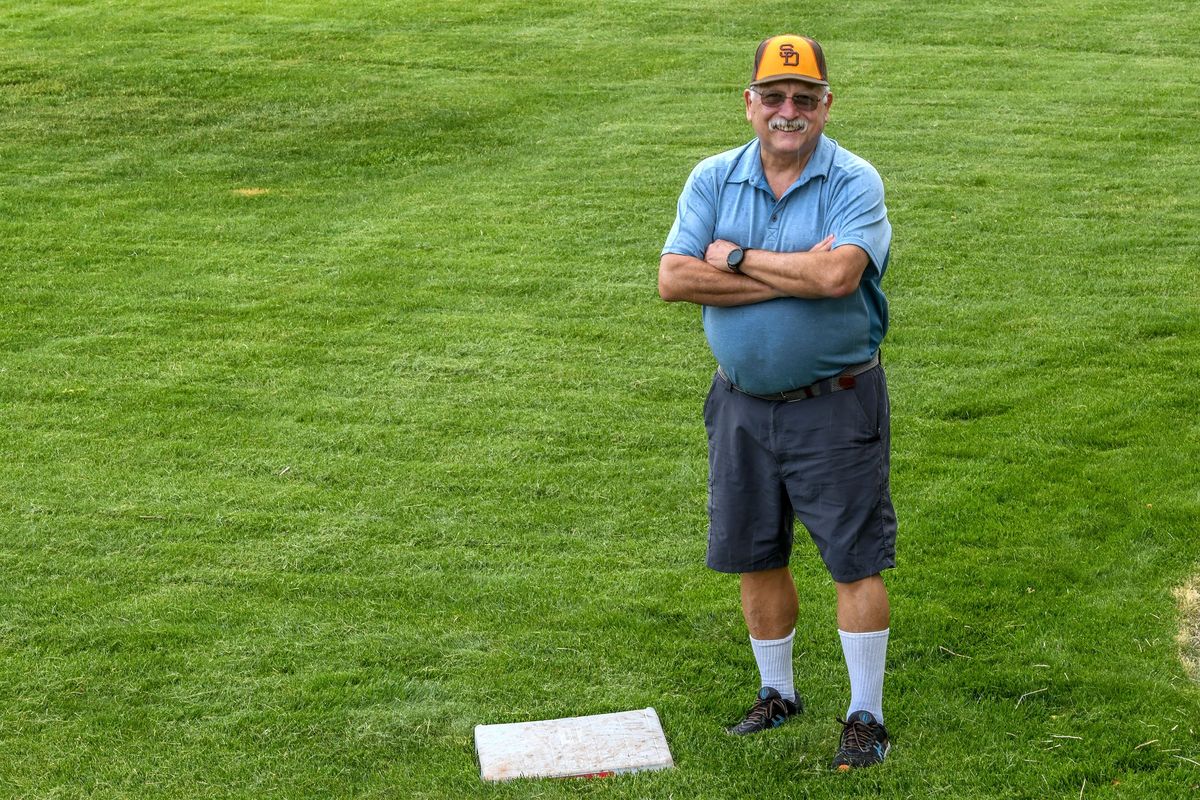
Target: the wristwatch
pixel 734 259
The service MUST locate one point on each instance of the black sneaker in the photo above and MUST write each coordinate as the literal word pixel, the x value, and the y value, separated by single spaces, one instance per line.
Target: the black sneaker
pixel 864 742
pixel 769 711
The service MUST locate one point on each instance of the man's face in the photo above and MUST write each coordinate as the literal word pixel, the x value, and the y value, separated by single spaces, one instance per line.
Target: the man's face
pixel 788 116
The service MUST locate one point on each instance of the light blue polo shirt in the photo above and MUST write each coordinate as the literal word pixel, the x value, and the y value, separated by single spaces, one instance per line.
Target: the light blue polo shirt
pixel 789 342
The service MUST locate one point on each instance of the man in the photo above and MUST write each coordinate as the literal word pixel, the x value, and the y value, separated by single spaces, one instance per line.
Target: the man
pixel 783 242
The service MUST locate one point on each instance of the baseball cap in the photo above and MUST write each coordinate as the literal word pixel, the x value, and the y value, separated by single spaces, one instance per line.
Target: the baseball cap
pixel 789 58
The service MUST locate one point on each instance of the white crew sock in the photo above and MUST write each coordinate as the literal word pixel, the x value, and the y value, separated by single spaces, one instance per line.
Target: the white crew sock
pixel 865 656
pixel 774 657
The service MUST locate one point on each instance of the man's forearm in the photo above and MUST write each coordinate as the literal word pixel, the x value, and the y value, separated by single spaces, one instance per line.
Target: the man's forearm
pixel 694 281
pixel 817 273
pixel 808 274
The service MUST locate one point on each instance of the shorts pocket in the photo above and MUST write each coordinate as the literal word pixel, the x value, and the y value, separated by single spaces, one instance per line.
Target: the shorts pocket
pixel 867 394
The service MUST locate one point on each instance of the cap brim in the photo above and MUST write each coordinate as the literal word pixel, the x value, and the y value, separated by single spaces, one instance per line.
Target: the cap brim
pixel 800 78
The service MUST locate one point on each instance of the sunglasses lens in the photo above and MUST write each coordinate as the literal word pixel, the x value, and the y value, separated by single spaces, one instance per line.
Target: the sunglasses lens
pixel 801 101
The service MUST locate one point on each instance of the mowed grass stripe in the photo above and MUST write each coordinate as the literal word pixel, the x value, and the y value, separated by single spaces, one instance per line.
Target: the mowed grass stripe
pixel 304 483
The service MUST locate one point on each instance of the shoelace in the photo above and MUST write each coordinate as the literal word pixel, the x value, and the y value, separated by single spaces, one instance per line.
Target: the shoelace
pixel 856 735
pixel 759 712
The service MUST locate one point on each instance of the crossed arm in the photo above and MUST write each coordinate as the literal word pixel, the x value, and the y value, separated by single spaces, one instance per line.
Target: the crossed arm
pixel 817 273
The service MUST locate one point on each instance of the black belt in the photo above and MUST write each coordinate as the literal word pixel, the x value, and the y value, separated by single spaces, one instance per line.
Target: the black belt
pixel 840 382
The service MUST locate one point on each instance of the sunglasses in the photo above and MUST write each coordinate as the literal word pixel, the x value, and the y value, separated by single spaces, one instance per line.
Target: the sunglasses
pixel 804 102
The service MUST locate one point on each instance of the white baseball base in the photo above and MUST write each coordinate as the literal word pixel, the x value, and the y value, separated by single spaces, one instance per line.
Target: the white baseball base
pixel 595 746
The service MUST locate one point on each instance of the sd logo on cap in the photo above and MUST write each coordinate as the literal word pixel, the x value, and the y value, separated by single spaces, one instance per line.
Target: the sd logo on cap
pixel 789 58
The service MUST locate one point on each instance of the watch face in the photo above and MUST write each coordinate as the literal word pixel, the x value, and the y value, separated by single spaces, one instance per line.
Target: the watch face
pixel 734 259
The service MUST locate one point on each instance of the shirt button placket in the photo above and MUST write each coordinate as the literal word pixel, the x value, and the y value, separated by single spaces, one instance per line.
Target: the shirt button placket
pixel 773 229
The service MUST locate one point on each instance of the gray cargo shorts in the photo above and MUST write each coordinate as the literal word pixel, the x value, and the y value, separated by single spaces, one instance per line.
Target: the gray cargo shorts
pixel 823 459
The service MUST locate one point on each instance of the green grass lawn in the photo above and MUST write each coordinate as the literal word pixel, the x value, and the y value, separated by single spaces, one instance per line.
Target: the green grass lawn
pixel 339 414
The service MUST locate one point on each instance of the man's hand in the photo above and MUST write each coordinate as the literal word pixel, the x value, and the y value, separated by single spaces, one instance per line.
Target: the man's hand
pixel 823 246
pixel 717 254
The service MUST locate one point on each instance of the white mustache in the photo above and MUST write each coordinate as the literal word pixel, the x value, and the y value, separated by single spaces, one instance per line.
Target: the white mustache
pixel 780 124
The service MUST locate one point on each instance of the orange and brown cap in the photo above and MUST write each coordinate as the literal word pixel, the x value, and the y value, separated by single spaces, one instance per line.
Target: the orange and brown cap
pixel 789 58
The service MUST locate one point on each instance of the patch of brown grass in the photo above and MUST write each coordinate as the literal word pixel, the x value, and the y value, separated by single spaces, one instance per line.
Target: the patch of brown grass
pixel 1188 598
pixel 252 191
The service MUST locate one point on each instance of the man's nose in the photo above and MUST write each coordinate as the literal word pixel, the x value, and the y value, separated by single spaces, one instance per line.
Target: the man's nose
pixel 787 101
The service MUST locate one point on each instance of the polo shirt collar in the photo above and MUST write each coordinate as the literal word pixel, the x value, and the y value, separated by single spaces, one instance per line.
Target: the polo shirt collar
pixel 749 167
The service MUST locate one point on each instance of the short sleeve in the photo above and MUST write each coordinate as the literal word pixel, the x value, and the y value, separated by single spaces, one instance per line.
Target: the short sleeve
pixel 858 215
pixel 695 216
